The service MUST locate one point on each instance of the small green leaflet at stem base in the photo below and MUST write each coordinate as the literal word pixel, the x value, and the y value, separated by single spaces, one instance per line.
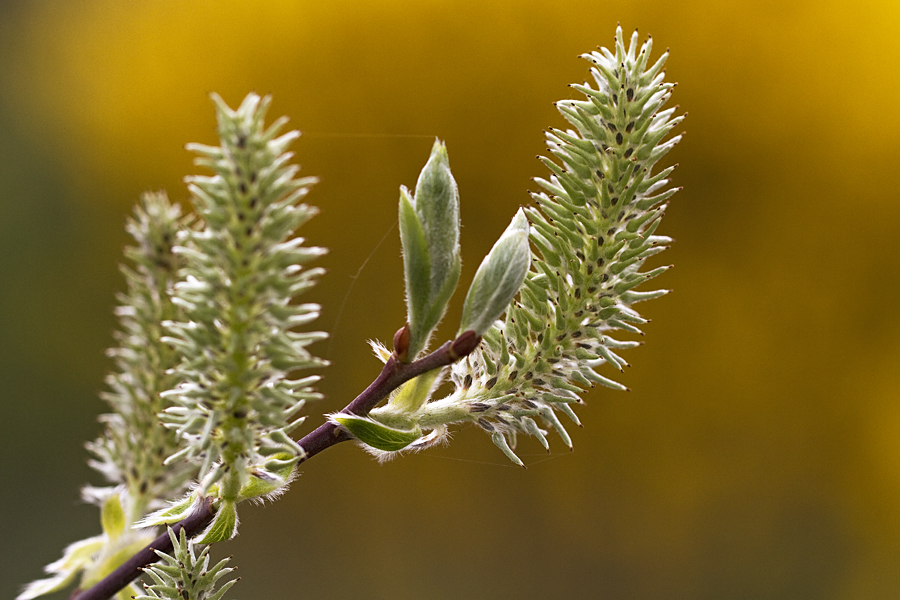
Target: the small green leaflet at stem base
pixel 224 525
pixel 374 434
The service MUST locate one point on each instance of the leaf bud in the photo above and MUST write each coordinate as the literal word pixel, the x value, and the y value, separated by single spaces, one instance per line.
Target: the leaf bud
pixel 429 233
pixel 498 278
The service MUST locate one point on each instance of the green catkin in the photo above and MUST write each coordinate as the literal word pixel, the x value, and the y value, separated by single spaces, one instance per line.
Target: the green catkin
pixel 239 336
pixel 132 449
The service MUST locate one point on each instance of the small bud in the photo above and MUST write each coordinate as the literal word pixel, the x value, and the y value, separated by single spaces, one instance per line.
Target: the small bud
pixel 464 344
pixel 498 278
pixel 401 343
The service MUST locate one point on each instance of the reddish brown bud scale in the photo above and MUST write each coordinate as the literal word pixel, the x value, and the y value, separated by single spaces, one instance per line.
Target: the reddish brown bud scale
pixel 401 344
pixel 464 345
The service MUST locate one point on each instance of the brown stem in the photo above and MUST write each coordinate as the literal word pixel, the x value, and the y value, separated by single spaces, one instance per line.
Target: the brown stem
pixel 394 374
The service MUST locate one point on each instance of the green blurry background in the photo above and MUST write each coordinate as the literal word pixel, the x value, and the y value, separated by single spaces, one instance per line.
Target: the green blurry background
pixel 758 455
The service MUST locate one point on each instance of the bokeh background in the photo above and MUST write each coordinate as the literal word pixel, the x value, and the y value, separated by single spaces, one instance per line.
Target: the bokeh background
pixel 758 455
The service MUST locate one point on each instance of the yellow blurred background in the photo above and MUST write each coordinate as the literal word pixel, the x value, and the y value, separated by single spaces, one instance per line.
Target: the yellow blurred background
pixel 758 455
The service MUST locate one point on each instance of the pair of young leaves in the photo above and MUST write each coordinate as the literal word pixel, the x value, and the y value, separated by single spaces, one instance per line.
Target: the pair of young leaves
pixel 429 233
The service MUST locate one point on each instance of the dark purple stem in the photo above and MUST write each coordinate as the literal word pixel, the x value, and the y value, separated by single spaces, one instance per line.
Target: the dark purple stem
pixel 394 374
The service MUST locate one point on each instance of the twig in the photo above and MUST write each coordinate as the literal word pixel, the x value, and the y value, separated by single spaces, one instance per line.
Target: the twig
pixel 394 374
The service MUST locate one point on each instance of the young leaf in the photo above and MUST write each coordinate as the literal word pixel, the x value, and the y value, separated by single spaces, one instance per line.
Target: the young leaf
pixel 429 233
pixel 224 525
pixel 416 266
pixel 374 434
pixel 170 514
pixel 414 393
pixel 498 278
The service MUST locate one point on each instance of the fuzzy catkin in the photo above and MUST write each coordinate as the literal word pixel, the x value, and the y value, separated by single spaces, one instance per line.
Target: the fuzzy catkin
pixel 239 338
pixel 593 228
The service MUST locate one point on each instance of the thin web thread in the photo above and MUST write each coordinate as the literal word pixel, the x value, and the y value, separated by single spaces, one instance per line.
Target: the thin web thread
pixel 545 458
pixel 365 135
pixel 334 134
pixel 353 279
